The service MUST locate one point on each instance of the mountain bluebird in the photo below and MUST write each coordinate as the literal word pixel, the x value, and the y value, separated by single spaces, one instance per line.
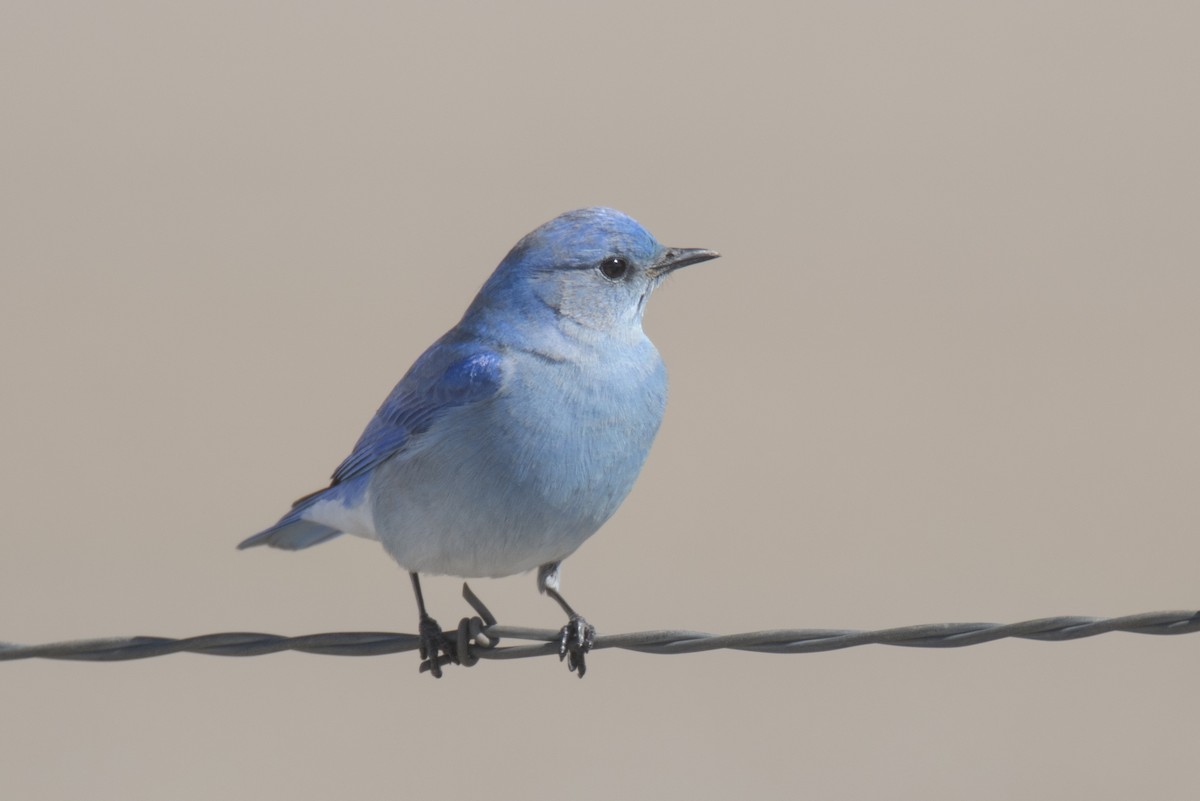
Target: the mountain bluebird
pixel 515 436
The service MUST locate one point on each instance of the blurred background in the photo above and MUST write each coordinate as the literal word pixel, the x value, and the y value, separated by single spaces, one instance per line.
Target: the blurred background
pixel 945 371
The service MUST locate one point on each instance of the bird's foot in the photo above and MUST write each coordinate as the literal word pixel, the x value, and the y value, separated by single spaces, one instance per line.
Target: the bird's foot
pixel 434 641
pixel 575 640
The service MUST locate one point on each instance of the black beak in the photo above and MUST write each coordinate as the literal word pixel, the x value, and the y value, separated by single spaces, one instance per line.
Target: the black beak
pixel 675 258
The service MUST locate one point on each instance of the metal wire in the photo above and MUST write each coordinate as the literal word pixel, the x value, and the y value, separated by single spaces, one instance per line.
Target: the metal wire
pixel 479 637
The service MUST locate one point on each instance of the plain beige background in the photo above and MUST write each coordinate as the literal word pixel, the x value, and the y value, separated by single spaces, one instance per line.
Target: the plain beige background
pixel 946 370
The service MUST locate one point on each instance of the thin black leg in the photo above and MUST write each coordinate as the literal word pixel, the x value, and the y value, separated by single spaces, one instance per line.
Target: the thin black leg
pixel 432 638
pixel 578 636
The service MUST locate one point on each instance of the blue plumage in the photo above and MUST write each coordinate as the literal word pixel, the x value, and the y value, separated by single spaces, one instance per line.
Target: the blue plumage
pixel 517 434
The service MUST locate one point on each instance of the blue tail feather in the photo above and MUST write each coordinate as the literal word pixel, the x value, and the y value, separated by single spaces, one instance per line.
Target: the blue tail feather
pixel 291 535
pixel 293 532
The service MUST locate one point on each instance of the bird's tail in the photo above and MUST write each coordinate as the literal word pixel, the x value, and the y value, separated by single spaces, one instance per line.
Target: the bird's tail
pixel 291 533
pixel 294 531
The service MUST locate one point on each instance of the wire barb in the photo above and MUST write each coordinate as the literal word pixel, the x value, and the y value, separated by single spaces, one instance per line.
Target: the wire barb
pixel 478 637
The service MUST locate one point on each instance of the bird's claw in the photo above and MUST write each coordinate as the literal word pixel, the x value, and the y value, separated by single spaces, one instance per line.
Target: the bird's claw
pixel 575 640
pixel 434 641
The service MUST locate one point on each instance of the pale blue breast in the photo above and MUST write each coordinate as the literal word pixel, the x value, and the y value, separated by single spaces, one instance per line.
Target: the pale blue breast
pixel 524 478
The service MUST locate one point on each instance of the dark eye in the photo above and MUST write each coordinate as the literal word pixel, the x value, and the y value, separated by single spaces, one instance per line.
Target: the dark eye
pixel 614 267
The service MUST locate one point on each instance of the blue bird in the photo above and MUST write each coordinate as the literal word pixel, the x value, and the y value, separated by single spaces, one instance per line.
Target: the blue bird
pixel 515 436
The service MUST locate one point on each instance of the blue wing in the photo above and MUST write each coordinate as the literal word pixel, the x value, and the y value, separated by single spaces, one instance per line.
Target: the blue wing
pixel 442 379
pixel 447 376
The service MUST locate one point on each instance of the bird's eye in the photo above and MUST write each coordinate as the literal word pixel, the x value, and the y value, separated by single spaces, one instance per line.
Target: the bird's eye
pixel 614 268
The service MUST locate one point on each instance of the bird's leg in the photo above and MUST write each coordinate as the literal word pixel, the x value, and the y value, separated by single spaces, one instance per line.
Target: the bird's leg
pixel 432 638
pixel 577 637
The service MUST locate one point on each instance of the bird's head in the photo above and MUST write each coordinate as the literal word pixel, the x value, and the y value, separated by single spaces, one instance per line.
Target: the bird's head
pixel 594 267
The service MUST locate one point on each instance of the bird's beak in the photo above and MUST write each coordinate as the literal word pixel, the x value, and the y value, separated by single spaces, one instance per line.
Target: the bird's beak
pixel 674 258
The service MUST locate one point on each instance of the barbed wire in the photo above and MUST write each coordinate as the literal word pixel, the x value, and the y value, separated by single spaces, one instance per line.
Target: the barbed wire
pixel 479 637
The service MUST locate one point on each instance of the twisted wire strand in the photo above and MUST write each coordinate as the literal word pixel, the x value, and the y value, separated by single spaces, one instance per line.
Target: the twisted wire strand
pixel 479 637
